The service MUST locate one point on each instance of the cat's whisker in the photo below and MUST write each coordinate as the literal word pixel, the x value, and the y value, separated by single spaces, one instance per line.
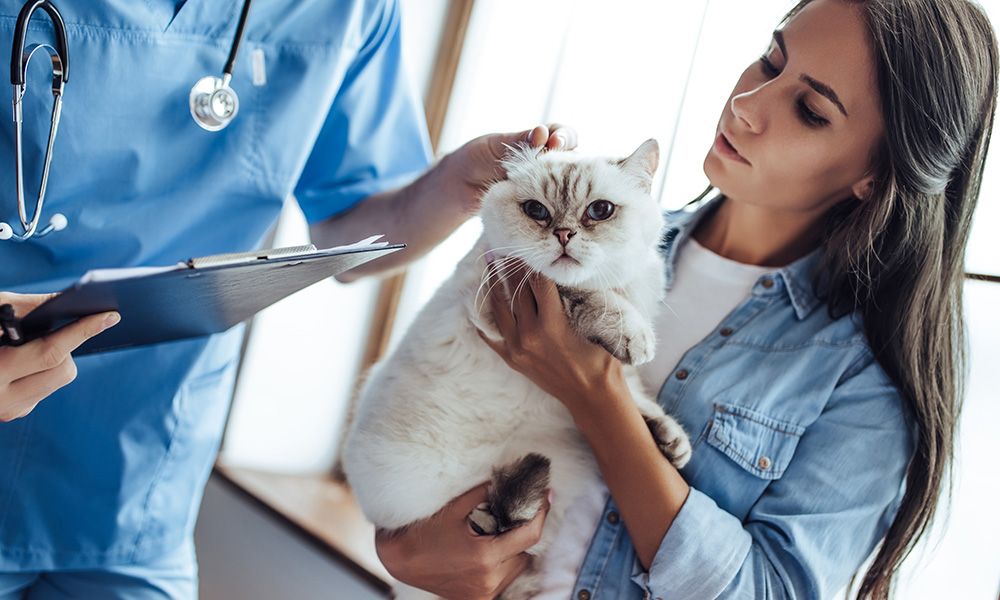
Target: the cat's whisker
pixel 604 291
pixel 504 271
pixel 667 304
pixel 500 269
pixel 524 257
pixel 516 247
pixel 517 289
pixel 606 281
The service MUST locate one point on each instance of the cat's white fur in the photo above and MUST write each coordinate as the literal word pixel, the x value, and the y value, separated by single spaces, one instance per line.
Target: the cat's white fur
pixel 444 409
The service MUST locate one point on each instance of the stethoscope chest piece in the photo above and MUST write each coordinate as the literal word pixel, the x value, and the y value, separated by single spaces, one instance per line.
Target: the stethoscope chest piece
pixel 213 103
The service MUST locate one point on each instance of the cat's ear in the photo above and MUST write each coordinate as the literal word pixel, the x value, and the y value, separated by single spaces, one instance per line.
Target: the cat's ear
pixel 642 163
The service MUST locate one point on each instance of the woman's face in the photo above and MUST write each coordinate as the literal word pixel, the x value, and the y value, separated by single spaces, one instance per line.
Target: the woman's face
pixel 800 129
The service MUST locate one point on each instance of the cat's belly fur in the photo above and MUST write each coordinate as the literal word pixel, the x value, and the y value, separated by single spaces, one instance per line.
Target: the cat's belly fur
pixel 444 409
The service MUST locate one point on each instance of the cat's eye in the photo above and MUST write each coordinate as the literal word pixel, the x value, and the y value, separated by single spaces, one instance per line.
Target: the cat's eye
pixel 600 210
pixel 535 210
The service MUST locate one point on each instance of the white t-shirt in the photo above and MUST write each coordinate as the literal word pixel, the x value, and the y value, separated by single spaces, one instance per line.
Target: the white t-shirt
pixel 706 288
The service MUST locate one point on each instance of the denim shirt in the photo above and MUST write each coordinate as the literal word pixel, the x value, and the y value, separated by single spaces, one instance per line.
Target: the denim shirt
pixel 800 446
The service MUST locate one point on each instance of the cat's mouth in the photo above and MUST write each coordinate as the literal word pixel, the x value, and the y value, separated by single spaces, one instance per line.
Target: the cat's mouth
pixel 565 259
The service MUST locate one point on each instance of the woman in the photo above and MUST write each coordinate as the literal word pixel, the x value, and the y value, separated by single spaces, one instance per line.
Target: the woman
pixel 820 375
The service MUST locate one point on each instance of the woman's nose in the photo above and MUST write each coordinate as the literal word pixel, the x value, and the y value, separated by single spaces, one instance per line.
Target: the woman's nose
pixel 747 108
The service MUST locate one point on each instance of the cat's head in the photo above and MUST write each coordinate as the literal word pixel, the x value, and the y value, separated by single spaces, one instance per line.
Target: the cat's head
pixel 576 220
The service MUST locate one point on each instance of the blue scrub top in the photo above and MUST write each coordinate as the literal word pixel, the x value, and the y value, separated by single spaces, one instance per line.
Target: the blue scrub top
pixel 110 469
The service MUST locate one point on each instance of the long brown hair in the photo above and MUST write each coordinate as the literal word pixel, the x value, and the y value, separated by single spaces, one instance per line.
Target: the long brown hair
pixel 898 257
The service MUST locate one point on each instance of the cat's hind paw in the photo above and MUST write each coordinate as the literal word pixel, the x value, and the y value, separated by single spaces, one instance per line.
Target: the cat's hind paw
pixel 671 439
pixel 515 496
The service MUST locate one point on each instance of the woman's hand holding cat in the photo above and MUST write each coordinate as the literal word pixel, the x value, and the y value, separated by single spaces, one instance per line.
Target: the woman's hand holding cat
pixel 444 556
pixel 30 373
pixel 538 342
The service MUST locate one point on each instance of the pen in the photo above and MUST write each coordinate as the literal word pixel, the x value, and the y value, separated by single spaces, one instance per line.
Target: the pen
pixel 8 323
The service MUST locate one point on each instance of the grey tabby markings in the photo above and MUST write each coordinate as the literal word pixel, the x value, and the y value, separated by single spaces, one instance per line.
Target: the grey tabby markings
pixel 515 495
pixel 676 448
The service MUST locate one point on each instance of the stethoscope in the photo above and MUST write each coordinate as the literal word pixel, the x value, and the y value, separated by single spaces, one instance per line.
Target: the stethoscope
pixel 213 104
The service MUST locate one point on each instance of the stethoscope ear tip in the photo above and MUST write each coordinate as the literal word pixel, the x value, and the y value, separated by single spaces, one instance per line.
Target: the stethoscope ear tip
pixel 58 222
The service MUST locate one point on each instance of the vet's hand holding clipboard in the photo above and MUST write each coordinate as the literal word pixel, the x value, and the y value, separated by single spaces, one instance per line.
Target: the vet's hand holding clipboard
pixel 29 373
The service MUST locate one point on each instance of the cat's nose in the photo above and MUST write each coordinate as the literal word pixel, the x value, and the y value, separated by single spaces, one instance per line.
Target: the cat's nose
pixel 564 235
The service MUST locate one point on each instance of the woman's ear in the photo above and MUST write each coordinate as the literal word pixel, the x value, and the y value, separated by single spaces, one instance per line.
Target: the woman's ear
pixel 862 190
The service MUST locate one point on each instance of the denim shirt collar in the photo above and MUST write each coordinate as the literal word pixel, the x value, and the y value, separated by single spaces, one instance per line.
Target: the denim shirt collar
pixel 796 278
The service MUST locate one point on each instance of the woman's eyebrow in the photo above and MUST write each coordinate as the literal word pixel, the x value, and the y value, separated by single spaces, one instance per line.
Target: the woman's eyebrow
pixel 820 87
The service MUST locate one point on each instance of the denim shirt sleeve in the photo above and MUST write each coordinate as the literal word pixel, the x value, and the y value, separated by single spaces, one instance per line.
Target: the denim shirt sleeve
pixel 813 527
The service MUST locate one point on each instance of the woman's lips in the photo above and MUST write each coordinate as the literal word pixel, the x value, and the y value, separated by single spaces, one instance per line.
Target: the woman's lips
pixel 724 148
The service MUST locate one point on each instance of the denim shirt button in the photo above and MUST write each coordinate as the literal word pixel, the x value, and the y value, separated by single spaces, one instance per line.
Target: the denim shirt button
pixel 767 283
pixel 613 518
pixel 764 462
pixel 583 595
pixel 682 374
pixel 726 331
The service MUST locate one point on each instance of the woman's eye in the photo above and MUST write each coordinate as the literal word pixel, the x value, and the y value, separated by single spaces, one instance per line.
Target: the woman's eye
pixel 809 117
pixel 600 210
pixel 535 210
pixel 768 67
pixel 806 114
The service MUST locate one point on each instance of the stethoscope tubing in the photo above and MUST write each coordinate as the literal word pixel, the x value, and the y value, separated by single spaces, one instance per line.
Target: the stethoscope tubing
pixel 17 66
pixel 202 98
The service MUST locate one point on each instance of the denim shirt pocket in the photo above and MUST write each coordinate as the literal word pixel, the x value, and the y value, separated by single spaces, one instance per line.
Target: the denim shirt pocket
pixel 761 444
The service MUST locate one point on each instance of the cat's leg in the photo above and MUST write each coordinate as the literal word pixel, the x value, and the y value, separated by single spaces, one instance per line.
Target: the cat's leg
pixel 609 320
pixel 515 495
pixel 669 435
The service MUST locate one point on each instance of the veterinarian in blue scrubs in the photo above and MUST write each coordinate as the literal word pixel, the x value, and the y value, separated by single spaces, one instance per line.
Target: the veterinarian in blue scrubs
pixel 101 482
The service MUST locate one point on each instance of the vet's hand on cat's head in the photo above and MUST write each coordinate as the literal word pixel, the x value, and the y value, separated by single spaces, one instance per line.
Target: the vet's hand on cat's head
pixel 477 162
pixel 538 342
pixel 444 556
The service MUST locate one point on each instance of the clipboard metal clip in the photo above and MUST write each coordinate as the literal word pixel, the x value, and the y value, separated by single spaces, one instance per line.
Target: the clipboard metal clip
pixel 236 258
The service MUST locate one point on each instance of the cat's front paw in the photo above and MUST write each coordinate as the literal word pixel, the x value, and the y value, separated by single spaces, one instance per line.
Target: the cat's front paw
pixel 640 346
pixel 670 438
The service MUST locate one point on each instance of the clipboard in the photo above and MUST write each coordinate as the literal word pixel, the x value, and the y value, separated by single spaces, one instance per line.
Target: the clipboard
pixel 196 297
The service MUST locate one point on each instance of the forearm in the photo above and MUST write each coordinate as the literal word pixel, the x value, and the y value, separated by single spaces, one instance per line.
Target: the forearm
pixel 421 215
pixel 648 490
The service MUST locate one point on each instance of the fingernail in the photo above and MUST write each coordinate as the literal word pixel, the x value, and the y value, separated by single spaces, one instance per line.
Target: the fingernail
pixel 551 495
pixel 112 320
pixel 531 135
pixel 560 140
pixel 490 257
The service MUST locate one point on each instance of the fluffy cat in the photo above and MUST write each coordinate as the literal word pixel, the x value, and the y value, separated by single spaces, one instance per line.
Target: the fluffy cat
pixel 443 412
